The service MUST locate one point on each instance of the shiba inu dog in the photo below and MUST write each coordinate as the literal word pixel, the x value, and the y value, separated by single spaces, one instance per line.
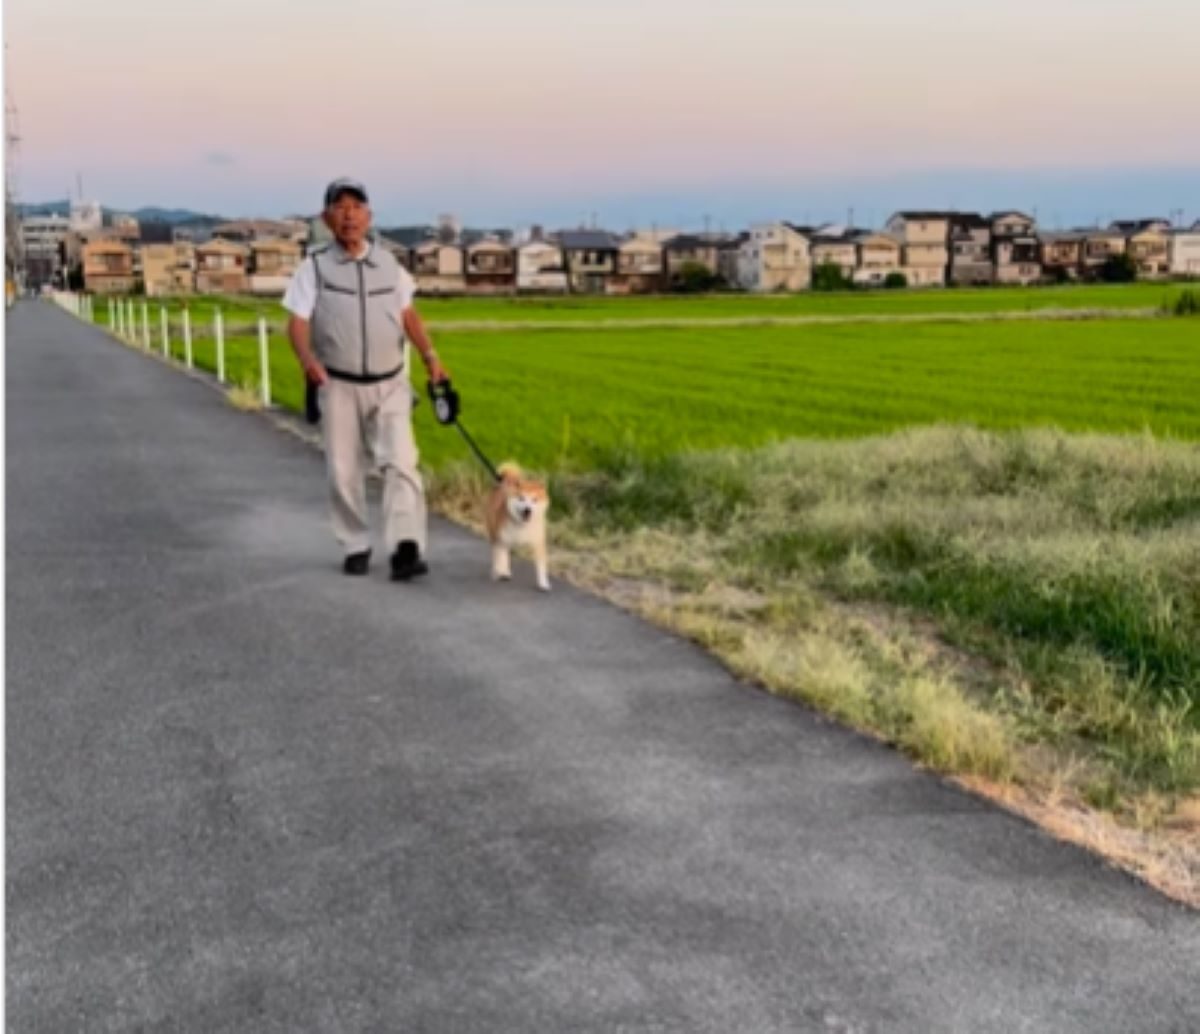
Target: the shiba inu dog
pixel 516 516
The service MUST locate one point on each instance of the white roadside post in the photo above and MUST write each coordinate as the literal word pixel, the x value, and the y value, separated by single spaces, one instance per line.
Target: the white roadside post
pixel 263 360
pixel 219 328
pixel 166 340
pixel 130 322
pixel 146 326
pixel 119 317
pixel 187 337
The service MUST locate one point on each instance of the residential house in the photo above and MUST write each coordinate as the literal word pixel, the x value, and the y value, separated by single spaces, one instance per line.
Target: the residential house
pixel 196 232
pixel 640 267
pixel 591 259
pixel 1016 253
pixel 1150 249
pixel 491 267
pixel 272 263
pixel 541 268
pixel 970 249
pixel 77 240
pixel 168 269
pixel 243 231
pixel 835 245
pixel 1128 227
pixel 729 257
pixel 107 267
pixel 690 250
pixel 43 248
pixel 1184 250
pixel 878 256
pixel 1098 247
pixel 125 227
pixel 776 257
pixel 398 250
pixel 221 267
pixel 438 267
pixel 1062 254
pixel 924 237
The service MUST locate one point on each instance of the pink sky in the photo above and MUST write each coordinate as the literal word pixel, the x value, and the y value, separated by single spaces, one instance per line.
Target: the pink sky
pixel 203 103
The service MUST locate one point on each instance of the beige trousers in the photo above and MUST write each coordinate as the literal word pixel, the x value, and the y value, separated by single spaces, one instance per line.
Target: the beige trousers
pixel 365 427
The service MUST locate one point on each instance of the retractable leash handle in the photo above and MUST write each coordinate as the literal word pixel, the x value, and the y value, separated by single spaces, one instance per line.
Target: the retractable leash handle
pixel 445 410
pixel 445 401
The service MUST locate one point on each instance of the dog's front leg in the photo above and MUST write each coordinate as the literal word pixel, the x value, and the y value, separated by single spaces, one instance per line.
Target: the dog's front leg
pixel 501 571
pixel 539 560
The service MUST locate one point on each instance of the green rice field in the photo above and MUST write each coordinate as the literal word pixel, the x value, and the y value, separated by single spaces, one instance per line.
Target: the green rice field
pixel 242 310
pixel 554 397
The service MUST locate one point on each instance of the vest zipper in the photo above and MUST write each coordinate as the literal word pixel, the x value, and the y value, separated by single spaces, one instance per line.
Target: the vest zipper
pixel 362 304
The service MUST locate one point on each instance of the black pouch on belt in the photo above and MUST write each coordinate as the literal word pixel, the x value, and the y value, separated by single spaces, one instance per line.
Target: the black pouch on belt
pixel 312 402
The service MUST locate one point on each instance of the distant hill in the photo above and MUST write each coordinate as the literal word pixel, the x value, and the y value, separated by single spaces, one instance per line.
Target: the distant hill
pixel 151 213
pixel 174 215
pixel 45 208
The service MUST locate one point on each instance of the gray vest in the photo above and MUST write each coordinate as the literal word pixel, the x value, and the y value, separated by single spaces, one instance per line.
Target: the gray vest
pixel 356 328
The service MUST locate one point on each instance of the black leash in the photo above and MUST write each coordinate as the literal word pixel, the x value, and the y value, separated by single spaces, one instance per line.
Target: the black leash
pixel 445 410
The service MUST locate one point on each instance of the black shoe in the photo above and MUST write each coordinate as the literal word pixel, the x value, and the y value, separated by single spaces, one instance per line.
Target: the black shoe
pixel 357 563
pixel 407 562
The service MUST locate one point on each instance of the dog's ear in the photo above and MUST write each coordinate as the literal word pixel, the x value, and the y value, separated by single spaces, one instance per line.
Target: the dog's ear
pixel 510 474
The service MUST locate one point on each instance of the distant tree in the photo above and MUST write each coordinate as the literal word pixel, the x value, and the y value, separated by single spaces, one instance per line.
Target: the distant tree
pixel 828 276
pixel 893 280
pixel 75 278
pixel 1119 269
pixel 1187 304
pixel 693 277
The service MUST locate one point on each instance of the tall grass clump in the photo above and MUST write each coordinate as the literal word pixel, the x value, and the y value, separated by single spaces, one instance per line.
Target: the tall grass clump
pixel 1072 560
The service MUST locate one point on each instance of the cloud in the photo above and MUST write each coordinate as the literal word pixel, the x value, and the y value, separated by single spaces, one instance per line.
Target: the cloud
pixel 219 158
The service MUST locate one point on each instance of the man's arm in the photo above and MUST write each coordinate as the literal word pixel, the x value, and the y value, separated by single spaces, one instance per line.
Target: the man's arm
pixel 300 335
pixel 300 300
pixel 415 330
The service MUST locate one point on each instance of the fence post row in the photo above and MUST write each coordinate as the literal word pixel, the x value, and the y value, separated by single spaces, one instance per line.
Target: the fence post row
pixel 187 337
pixel 263 359
pixel 219 328
pixel 166 341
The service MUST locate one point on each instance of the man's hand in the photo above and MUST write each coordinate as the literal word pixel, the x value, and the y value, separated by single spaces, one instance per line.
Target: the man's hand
pixel 314 372
pixel 300 336
pixel 437 372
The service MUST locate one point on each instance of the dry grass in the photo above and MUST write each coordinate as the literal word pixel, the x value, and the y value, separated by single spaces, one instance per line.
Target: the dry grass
pixel 1012 610
pixel 246 396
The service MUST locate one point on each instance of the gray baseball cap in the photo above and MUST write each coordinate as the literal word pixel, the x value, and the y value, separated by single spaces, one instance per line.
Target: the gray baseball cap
pixel 344 186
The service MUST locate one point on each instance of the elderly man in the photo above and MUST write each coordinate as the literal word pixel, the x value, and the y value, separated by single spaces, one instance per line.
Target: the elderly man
pixel 351 313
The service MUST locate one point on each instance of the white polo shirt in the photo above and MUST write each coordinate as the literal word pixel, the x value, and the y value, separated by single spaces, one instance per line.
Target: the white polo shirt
pixel 301 296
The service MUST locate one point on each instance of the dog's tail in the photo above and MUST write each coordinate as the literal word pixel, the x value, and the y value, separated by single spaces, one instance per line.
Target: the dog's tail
pixel 510 473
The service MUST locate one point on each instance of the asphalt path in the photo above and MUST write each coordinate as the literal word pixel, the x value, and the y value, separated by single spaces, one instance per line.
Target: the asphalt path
pixel 248 793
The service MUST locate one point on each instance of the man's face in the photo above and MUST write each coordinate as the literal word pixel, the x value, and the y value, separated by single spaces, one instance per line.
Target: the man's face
pixel 348 219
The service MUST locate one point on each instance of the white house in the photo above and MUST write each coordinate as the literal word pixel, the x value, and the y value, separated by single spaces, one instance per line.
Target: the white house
pixel 1185 252
pixel 776 257
pixel 540 267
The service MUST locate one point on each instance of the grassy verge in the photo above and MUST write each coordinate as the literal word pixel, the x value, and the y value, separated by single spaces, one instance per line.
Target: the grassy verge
pixel 1021 608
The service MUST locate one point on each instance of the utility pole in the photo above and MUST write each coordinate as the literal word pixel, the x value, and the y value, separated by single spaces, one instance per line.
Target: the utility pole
pixel 13 257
